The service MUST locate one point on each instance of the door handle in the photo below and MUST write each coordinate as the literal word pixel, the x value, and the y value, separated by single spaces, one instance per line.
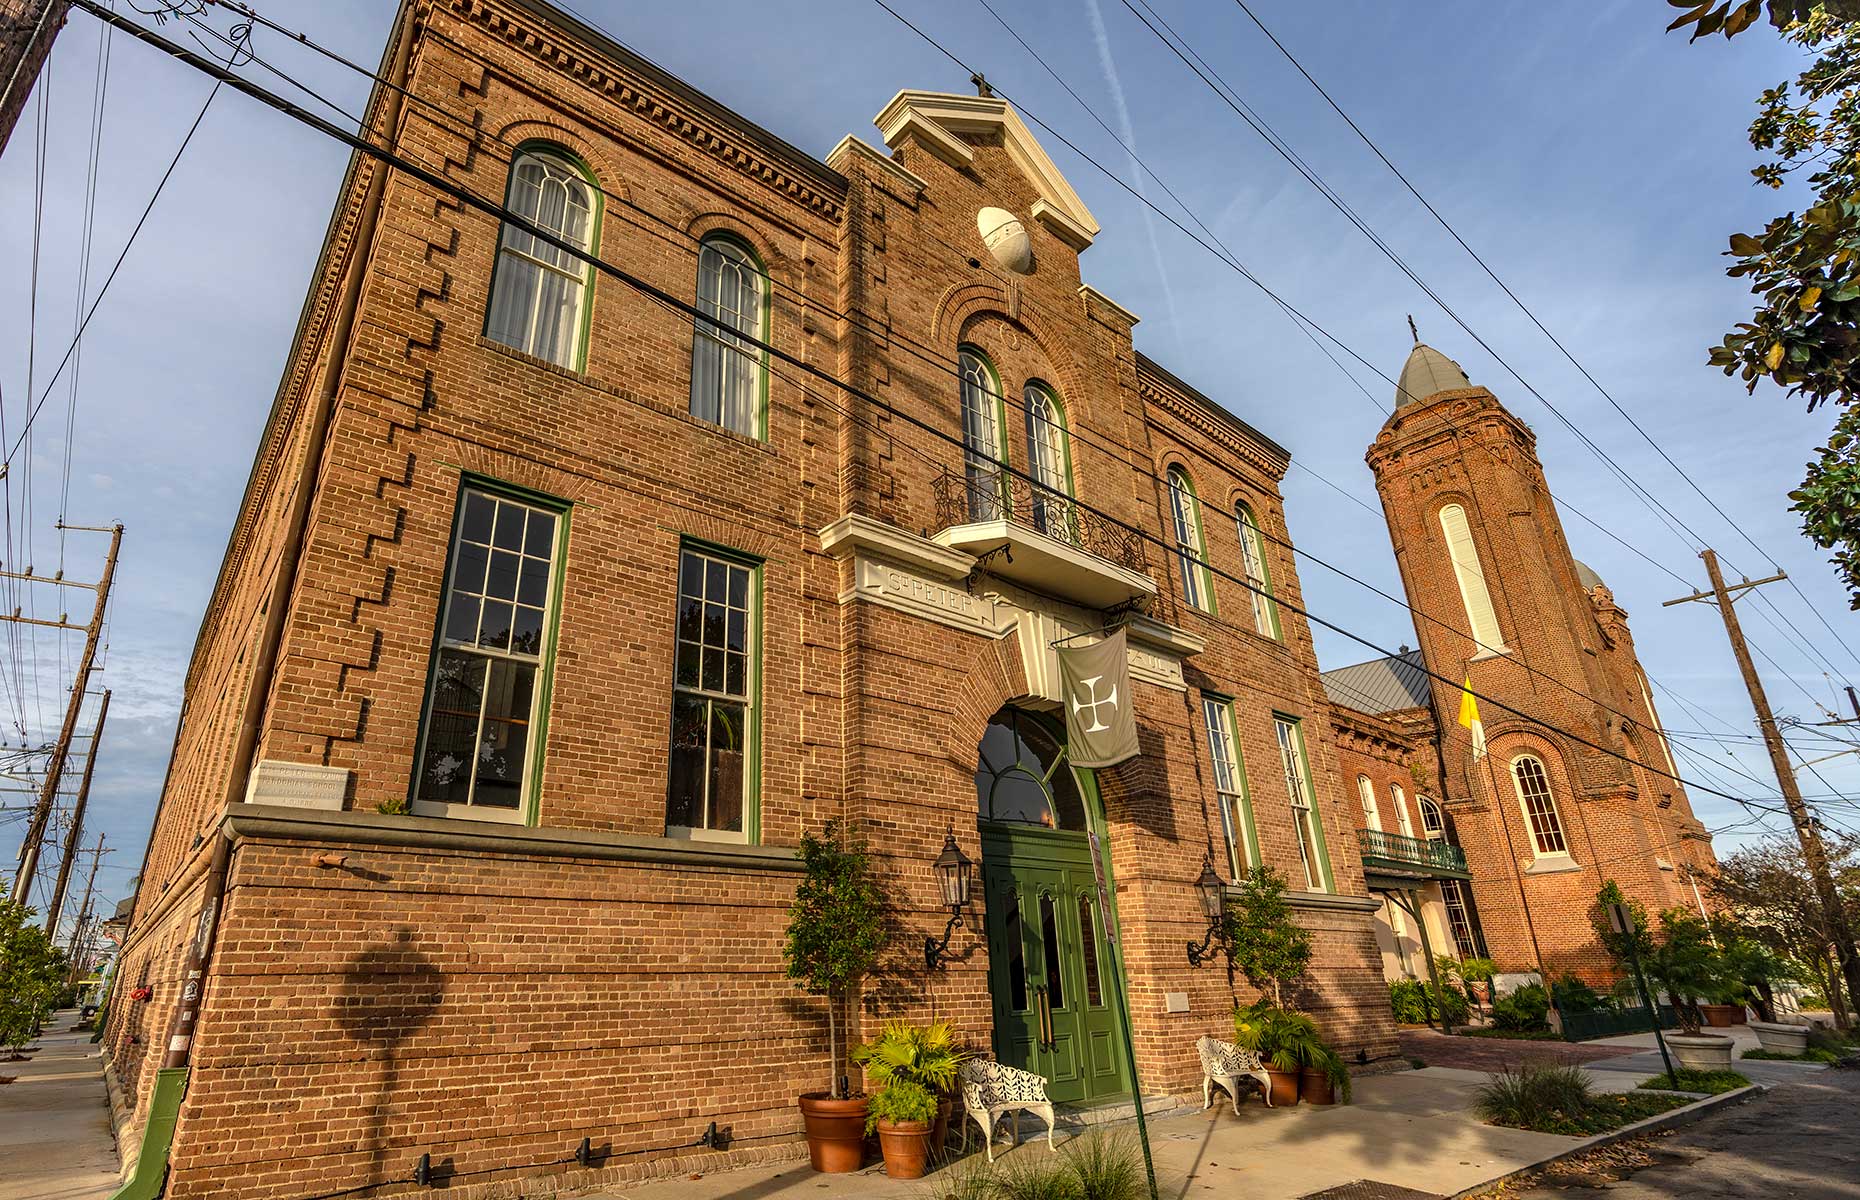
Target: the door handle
pixel 1046 1018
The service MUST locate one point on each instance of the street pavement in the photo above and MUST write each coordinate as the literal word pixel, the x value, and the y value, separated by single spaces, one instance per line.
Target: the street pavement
pixel 55 1139
pixel 1798 1141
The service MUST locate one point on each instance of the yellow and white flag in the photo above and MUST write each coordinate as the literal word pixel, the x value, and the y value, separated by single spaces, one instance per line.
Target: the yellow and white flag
pixel 1469 717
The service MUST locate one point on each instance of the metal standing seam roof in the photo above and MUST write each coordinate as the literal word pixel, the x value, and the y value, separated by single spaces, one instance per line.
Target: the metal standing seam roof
pixel 1380 685
pixel 1426 373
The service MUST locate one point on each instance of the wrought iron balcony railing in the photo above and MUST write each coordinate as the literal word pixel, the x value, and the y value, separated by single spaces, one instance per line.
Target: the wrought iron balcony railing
pixel 1411 855
pixel 980 494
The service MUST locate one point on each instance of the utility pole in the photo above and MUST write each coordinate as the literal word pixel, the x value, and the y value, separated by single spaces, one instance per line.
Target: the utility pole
pixel 1813 853
pixel 77 933
pixel 27 28
pixel 61 749
pixel 77 822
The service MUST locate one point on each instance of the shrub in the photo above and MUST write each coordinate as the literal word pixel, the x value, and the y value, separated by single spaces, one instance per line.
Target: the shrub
pixel 1408 997
pixel 1573 995
pixel 1032 1177
pixel 1107 1166
pixel 1714 1082
pixel 1812 1054
pixel 31 973
pixel 900 1100
pixel 1524 1009
pixel 1529 1097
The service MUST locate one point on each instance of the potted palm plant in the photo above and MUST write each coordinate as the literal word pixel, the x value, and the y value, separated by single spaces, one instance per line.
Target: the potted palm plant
pixel 926 1055
pixel 1688 966
pixel 836 930
pixel 1301 1065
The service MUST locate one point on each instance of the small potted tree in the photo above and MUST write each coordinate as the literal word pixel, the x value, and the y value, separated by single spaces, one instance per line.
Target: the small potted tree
pixel 836 930
pixel 1273 951
pixel 1688 968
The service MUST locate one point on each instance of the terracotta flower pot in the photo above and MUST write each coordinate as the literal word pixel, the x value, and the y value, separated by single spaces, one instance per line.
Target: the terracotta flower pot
pixel 939 1132
pixel 835 1132
pixel 1284 1092
pixel 1315 1087
pixel 1722 1016
pixel 907 1147
pixel 1481 991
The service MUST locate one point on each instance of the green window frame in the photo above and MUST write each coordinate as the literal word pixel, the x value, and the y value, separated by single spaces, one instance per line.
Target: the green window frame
pixel 1191 540
pixel 1230 786
pixel 530 279
pixel 1302 795
pixel 1257 571
pixel 984 436
pixel 492 665
pixel 729 367
pixel 1049 461
pixel 714 759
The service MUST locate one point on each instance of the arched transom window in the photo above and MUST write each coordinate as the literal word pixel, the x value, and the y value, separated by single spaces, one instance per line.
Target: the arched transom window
pixel 1433 822
pixel 1540 814
pixel 1480 617
pixel 539 291
pixel 1023 777
pixel 727 367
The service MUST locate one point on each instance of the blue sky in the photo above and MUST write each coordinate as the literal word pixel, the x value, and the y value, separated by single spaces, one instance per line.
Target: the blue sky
pixel 1597 163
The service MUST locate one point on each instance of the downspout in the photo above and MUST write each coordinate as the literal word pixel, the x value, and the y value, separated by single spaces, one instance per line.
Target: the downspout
pixel 171 1080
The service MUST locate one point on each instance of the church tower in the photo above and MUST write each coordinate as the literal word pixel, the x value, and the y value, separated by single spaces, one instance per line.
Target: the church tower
pixel 1499 600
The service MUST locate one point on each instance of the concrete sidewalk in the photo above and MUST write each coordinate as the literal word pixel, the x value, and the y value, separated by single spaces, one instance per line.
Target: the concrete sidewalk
pixel 55 1140
pixel 1621 1073
pixel 1410 1129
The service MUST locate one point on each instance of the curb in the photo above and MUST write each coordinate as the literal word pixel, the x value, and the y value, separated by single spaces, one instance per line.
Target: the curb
pixel 1655 1124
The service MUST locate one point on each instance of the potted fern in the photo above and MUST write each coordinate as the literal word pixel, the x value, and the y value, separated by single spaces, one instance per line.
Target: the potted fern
pixel 836 930
pixel 926 1055
pixel 903 1112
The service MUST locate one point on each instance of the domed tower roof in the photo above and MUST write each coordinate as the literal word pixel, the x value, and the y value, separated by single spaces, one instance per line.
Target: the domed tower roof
pixel 1585 575
pixel 1428 372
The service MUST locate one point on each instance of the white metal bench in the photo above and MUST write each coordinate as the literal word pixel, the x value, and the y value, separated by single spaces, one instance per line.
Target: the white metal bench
pixel 1226 1064
pixel 990 1089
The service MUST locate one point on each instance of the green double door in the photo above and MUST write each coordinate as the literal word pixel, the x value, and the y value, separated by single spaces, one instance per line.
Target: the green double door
pixel 1049 970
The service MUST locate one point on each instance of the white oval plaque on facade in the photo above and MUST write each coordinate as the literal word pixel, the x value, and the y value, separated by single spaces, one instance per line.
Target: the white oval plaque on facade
pixel 1006 239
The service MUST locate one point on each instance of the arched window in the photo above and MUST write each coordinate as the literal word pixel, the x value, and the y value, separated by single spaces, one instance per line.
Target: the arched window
pixel 1049 461
pixel 1473 593
pixel 727 367
pixel 1023 777
pixel 1366 792
pixel 1527 771
pixel 983 444
pixel 1433 821
pixel 539 292
pixel 1400 799
pixel 1197 583
pixel 1253 562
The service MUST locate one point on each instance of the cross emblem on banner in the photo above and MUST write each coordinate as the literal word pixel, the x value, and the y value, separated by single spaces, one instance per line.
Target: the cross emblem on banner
pixel 1094 703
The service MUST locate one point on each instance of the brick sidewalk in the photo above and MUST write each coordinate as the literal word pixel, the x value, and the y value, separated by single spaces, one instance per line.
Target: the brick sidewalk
pixel 1492 1054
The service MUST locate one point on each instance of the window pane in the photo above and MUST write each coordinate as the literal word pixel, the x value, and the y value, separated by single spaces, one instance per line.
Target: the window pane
pixel 501 582
pixel 728 754
pixel 1016 953
pixel 1049 940
pixel 526 634
pixel 462 619
pixel 509 531
pixel 533 579
pixel 479 511
pixel 690 657
pixel 712 679
pixel 494 628
pixel 539 538
pixel 684 807
pixel 468 571
pixel 1088 945
pixel 452 728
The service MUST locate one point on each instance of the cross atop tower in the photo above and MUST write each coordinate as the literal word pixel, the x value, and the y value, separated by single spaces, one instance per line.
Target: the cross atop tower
pixel 1412 331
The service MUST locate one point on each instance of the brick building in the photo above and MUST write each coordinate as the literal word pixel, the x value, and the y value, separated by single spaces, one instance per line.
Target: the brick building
pixel 1501 856
pixel 549 623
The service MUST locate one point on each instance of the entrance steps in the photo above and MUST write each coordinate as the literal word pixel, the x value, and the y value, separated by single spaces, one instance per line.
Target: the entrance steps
pixel 1075 1117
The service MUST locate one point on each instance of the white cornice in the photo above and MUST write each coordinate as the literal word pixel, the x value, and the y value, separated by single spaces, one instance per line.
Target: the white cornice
pixel 938 119
pixel 852 147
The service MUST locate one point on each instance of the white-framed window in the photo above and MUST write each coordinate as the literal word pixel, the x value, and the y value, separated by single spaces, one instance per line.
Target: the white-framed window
pixel 1540 814
pixel 727 366
pixel 1230 785
pixel 1185 511
pixel 1049 461
pixel 476 752
pixel 539 292
pixel 1303 802
pixel 1480 617
pixel 1253 563
pixel 712 765
pixel 1400 800
pixel 1366 792
pixel 982 445
pixel 1433 821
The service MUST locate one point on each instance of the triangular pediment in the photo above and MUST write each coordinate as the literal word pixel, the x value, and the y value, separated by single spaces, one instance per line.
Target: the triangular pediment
pixel 940 119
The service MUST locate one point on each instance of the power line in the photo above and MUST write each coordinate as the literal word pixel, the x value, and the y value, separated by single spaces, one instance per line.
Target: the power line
pixel 659 296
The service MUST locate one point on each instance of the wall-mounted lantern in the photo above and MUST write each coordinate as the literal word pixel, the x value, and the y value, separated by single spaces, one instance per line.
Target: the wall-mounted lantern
pixel 952 881
pixel 1212 893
